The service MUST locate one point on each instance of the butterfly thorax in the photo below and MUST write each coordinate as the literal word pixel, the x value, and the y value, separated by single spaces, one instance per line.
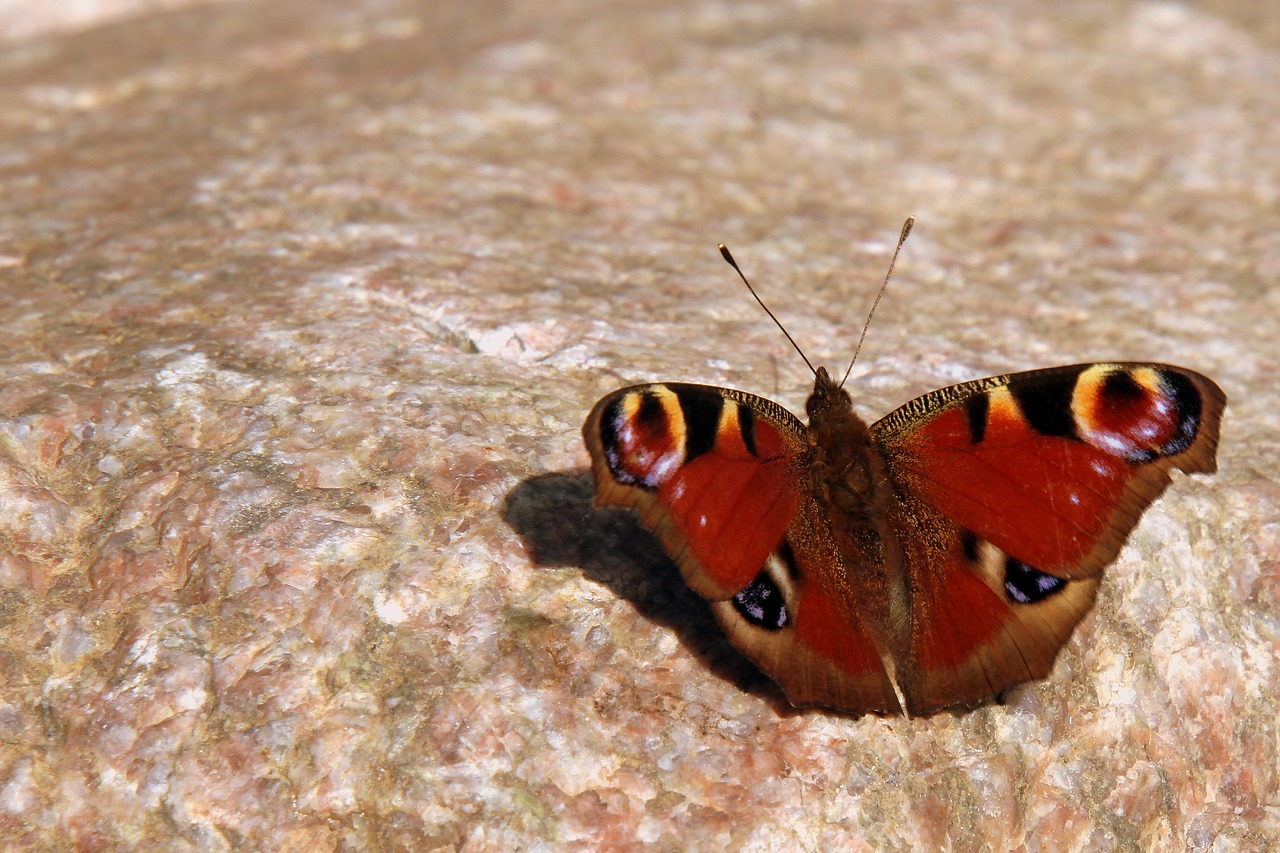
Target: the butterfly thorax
pixel 844 469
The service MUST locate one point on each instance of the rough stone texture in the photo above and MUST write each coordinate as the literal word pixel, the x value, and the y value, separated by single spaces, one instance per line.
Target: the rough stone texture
pixel 302 305
pixel 23 19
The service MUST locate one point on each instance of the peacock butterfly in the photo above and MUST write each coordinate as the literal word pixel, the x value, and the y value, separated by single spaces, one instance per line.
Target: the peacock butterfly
pixel 932 559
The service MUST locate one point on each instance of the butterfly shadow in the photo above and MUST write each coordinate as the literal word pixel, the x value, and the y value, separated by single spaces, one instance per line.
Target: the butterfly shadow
pixel 554 517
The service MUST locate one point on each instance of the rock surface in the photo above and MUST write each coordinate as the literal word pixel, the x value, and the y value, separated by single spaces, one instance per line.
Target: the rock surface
pixel 303 304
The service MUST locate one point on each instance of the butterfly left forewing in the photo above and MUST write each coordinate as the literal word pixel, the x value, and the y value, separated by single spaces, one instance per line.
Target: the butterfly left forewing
pixel 714 473
pixel 1011 495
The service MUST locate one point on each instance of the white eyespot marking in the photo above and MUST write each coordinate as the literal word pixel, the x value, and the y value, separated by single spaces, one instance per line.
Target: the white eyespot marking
pixel 659 467
pixel 1116 445
pixel 762 604
pixel 702 521
pixel 1151 430
pixel 753 606
pixel 663 468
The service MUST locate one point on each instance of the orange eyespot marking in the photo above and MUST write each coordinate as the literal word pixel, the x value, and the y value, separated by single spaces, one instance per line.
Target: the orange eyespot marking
pixel 1139 414
pixel 643 434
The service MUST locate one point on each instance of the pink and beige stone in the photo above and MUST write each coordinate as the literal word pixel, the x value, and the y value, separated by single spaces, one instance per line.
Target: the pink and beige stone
pixel 302 305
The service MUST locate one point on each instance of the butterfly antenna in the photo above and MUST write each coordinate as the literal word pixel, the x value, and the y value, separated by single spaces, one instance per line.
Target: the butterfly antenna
pixel 724 251
pixel 902 238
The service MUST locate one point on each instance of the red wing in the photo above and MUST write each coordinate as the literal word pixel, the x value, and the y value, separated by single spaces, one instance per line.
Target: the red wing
pixel 802 631
pixel 981 620
pixel 715 473
pixel 1013 493
pixel 721 477
pixel 1054 466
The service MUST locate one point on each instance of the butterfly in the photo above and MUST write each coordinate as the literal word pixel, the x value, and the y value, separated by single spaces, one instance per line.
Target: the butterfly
pixel 932 559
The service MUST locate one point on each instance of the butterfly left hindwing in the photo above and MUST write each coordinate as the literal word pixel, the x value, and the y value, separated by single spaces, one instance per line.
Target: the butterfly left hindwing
pixel 724 480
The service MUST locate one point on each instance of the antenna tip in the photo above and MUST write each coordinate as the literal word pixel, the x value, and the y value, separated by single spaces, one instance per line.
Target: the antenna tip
pixel 906 228
pixel 724 253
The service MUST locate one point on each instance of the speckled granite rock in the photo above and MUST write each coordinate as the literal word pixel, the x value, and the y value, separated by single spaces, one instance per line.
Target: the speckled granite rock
pixel 302 307
pixel 25 19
